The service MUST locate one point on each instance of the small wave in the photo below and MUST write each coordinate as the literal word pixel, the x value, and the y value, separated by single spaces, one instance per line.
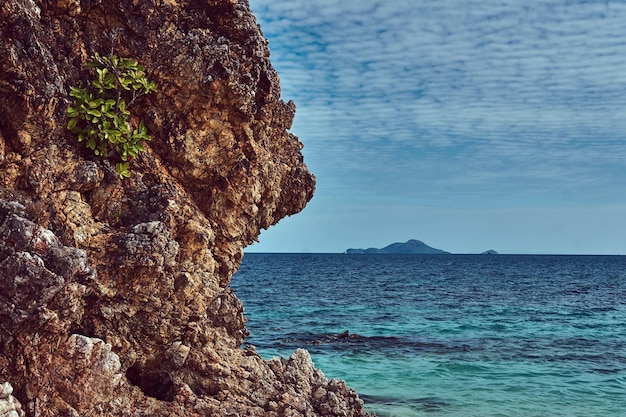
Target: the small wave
pixel 463 367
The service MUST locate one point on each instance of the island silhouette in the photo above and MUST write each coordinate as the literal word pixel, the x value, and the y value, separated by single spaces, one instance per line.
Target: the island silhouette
pixel 412 246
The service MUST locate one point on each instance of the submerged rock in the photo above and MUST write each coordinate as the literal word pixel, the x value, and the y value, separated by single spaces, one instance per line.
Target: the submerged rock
pixel 115 293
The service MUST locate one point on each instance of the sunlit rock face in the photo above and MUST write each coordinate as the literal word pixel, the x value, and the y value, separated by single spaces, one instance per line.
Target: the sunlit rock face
pixel 114 293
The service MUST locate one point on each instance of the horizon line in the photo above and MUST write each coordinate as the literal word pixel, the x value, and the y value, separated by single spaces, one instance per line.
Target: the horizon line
pixel 436 254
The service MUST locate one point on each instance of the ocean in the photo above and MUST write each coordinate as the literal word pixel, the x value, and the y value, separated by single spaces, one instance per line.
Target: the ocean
pixel 449 335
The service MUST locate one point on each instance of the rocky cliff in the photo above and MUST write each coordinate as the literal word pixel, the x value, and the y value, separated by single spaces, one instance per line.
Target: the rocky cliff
pixel 114 297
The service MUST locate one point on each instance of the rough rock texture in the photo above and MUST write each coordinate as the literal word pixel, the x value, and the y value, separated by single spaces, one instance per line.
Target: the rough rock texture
pixel 114 297
pixel 9 406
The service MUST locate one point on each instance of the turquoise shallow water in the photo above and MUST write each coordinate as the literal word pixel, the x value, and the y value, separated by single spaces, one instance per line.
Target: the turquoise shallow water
pixel 450 335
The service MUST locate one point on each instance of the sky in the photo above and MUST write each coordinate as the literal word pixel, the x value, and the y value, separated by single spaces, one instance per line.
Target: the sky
pixel 467 124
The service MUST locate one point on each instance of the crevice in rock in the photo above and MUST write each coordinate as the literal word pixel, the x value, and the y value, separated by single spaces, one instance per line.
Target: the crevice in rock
pixel 206 388
pixel 155 384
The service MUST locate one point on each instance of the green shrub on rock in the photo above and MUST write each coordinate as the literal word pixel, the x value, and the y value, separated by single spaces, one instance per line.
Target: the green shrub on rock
pixel 99 114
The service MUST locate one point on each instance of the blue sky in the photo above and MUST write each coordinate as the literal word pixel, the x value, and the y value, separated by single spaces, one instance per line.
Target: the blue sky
pixel 467 124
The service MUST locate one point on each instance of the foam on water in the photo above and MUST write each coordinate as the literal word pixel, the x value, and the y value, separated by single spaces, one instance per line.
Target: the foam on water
pixel 450 335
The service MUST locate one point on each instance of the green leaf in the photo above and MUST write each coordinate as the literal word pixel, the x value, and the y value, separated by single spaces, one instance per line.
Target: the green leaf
pixel 94 112
pixel 77 92
pixel 122 170
pixel 115 135
pixel 91 143
pixel 72 112
pixel 95 103
pixel 71 124
pixel 109 81
pixel 124 128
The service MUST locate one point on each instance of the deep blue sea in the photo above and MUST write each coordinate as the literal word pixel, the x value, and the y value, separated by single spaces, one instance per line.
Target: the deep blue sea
pixel 450 335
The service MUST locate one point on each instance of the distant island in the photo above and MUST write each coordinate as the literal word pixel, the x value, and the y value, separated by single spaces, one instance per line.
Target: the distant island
pixel 489 252
pixel 413 246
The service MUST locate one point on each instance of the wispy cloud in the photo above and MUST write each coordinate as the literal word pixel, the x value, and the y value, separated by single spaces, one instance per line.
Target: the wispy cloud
pixel 456 97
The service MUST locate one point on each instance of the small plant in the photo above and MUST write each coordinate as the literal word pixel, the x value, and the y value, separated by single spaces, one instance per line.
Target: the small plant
pixel 99 114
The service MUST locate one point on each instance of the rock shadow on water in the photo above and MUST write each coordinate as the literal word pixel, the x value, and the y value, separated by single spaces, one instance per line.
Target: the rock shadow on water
pixel 340 340
pixel 425 404
pixel 388 344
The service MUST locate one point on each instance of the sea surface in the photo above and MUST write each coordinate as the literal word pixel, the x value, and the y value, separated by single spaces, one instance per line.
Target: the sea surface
pixel 450 335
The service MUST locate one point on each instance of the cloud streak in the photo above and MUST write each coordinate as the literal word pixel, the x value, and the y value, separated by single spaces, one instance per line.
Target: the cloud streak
pixel 456 99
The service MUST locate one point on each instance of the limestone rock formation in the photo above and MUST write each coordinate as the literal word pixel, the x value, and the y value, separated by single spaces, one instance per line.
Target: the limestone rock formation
pixel 9 406
pixel 114 293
